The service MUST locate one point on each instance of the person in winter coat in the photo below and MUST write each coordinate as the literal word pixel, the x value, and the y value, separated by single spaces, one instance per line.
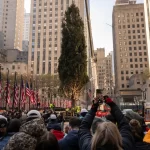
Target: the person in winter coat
pixel 107 136
pixel 56 131
pixel 30 133
pixel 3 132
pixel 70 142
pixel 52 121
pixel 83 113
pixel 13 128
pixel 138 135
pixel 50 143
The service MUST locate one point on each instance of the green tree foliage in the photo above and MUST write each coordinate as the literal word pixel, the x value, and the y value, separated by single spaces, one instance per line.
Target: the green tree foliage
pixel 146 75
pixel 73 60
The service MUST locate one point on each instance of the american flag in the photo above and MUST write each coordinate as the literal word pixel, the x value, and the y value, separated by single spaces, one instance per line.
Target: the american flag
pixel 23 98
pixel 16 94
pixel 7 91
pixel 28 91
pixel 32 96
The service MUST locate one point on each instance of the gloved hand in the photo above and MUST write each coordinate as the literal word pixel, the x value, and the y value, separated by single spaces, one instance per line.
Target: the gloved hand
pixel 108 101
pixel 95 104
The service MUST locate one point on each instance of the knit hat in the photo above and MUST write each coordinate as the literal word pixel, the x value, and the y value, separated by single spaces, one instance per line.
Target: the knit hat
pixel 96 121
pixel 133 115
pixel 147 137
pixel 84 110
pixel 3 121
pixel 33 114
pixel 53 116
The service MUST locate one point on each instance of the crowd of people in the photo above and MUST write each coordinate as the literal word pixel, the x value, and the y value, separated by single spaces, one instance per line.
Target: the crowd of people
pixel 47 131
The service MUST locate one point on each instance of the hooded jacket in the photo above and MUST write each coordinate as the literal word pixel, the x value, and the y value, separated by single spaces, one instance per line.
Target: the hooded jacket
pixel 29 135
pixel 70 142
pixel 85 136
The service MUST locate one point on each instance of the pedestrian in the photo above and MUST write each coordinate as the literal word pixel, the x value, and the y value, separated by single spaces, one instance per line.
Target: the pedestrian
pixel 70 142
pixel 61 120
pixel 138 135
pixel 3 131
pixel 30 133
pixel 83 113
pixel 56 131
pixel 52 121
pixel 66 130
pixel 107 136
pixel 49 143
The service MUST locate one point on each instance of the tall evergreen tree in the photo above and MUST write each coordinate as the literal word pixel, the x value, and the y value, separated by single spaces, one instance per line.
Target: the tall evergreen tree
pixel 73 60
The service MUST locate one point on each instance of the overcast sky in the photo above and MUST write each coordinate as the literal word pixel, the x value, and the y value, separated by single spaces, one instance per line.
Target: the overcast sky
pixel 101 15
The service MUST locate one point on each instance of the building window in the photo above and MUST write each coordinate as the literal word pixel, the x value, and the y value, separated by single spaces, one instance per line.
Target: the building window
pixel 122 85
pixel 140 59
pixel 13 67
pixel 141 65
pixel 145 59
pixel 136 65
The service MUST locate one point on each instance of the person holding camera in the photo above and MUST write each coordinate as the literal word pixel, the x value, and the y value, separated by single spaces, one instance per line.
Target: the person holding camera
pixel 107 135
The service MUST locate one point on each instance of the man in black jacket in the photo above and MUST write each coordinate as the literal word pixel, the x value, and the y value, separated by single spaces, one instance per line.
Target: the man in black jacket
pixel 85 136
pixel 70 142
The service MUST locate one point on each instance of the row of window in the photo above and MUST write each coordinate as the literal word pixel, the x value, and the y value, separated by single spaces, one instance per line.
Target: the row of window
pixel 132 42
pixel 127 72
pixel 134 31
pixel 133 48
pixel 129 26
pixel 130 14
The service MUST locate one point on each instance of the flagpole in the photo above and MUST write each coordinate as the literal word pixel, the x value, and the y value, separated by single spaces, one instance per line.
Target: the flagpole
pixel 20 93
pixel 7 89
pixel 14 91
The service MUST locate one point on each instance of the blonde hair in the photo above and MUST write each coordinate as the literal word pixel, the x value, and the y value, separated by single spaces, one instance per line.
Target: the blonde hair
pixel 107 135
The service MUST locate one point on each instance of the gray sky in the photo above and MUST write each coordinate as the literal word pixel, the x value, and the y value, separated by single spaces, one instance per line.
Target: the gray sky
pixel 101 15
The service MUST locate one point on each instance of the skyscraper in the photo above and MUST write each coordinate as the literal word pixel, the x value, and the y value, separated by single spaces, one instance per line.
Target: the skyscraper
pixel 12 23
pixel 1 13
pixel 26 30
pixel 147 23
pixel 45 35
pixel 130 46
pixel 104 71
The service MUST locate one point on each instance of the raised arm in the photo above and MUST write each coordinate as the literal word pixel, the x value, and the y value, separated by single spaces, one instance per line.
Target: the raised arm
pixel 124 128
pixel 84 131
